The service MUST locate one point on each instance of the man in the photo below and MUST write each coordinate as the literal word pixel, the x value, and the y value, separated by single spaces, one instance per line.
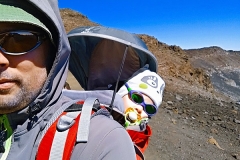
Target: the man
pixel 34 54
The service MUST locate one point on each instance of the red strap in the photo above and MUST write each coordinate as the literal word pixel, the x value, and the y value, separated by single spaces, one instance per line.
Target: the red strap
pixel 71 139
pixel 46 143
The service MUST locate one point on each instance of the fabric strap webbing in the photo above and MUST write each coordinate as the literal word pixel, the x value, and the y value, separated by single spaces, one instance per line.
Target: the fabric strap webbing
pixel 60 145
pixel 83 129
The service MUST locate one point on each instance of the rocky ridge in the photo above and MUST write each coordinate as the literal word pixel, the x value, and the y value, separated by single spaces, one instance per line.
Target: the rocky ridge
pixel 222 66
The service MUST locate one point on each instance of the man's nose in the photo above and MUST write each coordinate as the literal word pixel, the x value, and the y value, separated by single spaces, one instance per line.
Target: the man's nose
pixel 3 60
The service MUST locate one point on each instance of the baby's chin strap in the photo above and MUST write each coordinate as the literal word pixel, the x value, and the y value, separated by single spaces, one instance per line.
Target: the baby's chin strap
pixel 119 75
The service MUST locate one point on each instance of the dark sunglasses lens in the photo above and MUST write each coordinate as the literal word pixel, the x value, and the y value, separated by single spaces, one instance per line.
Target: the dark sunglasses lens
pixel 137 98
pixel 150 109
pixel 18 42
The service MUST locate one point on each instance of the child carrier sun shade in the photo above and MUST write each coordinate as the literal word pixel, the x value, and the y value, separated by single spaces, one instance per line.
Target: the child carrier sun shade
pixel 102 56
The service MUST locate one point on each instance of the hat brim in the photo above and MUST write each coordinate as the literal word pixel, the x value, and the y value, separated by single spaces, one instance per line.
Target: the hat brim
pixel 13 14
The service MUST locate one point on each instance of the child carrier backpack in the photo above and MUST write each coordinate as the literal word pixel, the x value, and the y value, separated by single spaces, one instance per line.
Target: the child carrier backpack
pixel 72 125
pixel 100 58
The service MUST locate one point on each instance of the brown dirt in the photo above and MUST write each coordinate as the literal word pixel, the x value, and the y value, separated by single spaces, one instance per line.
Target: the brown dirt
pixel 185 123
pixel 194 121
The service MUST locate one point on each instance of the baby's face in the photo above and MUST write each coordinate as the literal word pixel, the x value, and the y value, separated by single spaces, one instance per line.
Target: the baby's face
pixel 129 103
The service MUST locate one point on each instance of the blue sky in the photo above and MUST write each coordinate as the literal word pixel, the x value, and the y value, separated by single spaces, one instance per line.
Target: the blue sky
pixel 185 23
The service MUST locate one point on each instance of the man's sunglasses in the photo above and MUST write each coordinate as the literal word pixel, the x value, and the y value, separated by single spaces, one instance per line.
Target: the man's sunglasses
pixel 137 98
pixel 20 42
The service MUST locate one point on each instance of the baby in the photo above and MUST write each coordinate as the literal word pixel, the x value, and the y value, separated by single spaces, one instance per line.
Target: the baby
pixel 142 95
pixel 143 92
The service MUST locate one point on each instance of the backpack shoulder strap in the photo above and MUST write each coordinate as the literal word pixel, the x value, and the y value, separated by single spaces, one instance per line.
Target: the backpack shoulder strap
pixel 83 127
pixel 60 138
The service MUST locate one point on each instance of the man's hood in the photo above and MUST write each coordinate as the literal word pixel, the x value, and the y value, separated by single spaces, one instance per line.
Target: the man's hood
pixel 54 84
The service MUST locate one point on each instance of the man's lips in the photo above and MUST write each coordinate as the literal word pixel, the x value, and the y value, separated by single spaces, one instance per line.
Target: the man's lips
pixel 6 84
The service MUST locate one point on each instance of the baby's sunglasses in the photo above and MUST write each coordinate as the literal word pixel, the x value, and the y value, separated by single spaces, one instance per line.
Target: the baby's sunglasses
pixel 137 98
pixel 20 42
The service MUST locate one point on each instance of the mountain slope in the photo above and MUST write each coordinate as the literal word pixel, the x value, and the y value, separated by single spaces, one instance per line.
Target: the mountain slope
pixel 222 66
pixel 195 121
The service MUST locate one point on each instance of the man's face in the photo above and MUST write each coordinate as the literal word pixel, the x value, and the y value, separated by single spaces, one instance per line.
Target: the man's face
pixel 21 76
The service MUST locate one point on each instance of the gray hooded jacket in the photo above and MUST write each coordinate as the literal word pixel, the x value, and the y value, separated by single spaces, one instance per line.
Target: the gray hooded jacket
pixel 107 139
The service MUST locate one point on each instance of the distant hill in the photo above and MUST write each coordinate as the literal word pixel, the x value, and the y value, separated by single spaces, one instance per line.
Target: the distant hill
pixel 73 19
pixel 222 66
